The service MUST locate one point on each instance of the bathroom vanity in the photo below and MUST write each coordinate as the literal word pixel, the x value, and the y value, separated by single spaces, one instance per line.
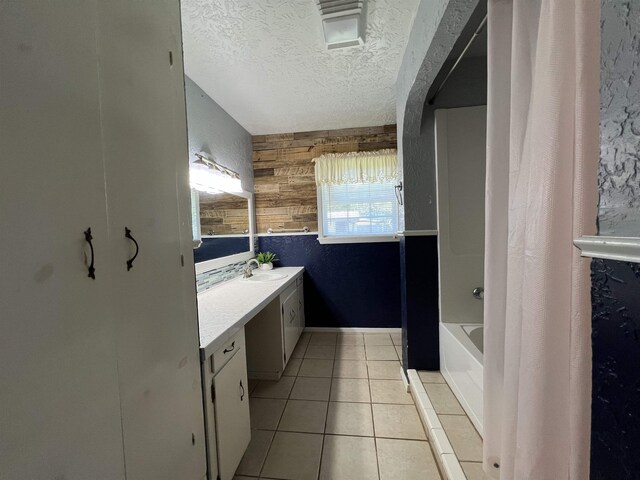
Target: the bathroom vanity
pixel 248 328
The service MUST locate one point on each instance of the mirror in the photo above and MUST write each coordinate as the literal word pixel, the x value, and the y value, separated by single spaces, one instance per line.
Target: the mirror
pixel 224 228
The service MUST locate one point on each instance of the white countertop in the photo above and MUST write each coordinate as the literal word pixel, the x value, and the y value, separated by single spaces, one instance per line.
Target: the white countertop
pixel 223 310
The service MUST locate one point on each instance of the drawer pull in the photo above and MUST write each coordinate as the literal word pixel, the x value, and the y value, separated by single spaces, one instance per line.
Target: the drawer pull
pixel 127 234
pixel 88 237
pixel 241 391
pixel 233 346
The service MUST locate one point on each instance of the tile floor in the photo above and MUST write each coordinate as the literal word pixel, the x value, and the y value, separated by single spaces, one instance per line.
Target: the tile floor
pixel 462 435
pixel 340 412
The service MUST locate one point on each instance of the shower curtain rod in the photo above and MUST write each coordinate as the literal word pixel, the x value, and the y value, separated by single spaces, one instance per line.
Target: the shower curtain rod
pixel 475 35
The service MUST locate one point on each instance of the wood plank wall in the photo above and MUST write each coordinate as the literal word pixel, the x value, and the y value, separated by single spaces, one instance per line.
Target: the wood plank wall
pixel 285 189
pixel 223 214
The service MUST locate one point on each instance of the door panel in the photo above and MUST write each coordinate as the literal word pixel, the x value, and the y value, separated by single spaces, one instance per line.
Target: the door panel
pixel 290 323
pixel 146 165
pixel 60 408
pixel 233 429
pixel 301 318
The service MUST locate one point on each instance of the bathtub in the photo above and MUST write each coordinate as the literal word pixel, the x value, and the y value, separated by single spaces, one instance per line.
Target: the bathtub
pixel 461 347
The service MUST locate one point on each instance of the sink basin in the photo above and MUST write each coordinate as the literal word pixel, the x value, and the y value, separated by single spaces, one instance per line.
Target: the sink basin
pixel 265 277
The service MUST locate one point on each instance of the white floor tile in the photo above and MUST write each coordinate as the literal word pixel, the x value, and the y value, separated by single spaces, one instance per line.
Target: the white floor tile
pixel 303 416
pixel 256 453
pixel 464 439
pixel 350 390
pixel 389 391
pixel 313 367
pixel 318 338
pixel 269 389
pixel 325 352
pixel 443 399
pixel 350 419
pixel 266 412
pixel 406 460
pixel 384 370
pixel 308 388
pixel 348 458
pixel 350 352
pixel 377 339
pixel 294 456
pixel 397 421
pixel 381 352
pixel 350 369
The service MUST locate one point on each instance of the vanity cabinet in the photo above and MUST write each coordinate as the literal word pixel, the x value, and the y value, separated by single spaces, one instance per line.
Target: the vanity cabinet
pixel 227 408
pixel 272 335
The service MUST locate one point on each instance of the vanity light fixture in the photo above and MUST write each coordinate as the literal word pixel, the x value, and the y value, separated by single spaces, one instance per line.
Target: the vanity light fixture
pixel 343 22
pixel 206 175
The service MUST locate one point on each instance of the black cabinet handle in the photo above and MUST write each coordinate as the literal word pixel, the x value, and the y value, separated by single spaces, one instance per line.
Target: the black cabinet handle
pixel 127 234
pixel 88 238
pixel 233 346
pixel 241 391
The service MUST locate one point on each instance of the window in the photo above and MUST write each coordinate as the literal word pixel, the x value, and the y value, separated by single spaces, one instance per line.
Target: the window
pixel 357 197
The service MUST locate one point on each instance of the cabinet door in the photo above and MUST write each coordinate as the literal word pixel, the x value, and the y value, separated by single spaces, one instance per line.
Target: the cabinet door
pixel 301 318
pixel 290 324
pixel 233 429
pixel 59 402
pixel 147 191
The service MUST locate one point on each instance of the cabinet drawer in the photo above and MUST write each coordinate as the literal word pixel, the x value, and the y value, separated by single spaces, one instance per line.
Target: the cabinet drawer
pixel 299 280
pixel 225 353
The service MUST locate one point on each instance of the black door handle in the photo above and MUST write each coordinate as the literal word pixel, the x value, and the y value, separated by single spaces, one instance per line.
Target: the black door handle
pixel 88 238
pixel 241 391
pixel 127 234
pixel 233 346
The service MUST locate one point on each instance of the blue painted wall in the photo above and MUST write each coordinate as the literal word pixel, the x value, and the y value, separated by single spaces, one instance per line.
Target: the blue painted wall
pixel 419 287
pixel 615 439
pixel 346 285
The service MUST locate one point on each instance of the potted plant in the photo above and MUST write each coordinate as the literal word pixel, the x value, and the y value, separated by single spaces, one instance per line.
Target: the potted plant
pixel 266 259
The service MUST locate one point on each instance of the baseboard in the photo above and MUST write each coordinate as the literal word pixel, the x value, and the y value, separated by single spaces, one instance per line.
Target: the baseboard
pixel 352 330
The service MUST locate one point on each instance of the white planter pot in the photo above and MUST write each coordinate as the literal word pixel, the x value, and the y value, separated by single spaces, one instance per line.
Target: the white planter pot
pixel 266 266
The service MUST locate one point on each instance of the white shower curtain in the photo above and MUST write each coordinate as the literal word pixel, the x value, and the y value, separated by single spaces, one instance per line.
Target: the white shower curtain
pixel 542 154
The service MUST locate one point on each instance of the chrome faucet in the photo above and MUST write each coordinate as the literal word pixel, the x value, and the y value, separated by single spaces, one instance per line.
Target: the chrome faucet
pixel 248 271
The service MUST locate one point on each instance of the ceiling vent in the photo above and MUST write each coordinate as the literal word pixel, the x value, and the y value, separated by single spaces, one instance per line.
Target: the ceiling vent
pixel 343 22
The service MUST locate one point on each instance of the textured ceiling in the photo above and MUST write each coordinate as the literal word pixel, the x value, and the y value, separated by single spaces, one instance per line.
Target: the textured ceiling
pixel 265 62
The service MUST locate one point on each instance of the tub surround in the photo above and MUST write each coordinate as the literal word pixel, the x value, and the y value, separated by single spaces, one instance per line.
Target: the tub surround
pixel 346 285
pixel 223 311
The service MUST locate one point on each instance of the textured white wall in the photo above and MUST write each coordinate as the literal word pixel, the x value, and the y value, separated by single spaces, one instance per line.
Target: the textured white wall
pixel 620 119
pixel 215 132
pixel 436 28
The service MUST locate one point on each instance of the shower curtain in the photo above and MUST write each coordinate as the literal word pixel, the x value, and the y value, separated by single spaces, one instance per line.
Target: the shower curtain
pixel 542 154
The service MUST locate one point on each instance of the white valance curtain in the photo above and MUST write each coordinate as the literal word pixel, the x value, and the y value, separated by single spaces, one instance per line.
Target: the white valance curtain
pixel 542 161
pixel 357 167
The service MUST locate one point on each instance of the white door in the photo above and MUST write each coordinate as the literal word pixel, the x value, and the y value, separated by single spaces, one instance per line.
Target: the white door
pixel 290 323
pixel 147 177
pixel 301 319
pixel 461 147
pixel 59 403
pixel 233 429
